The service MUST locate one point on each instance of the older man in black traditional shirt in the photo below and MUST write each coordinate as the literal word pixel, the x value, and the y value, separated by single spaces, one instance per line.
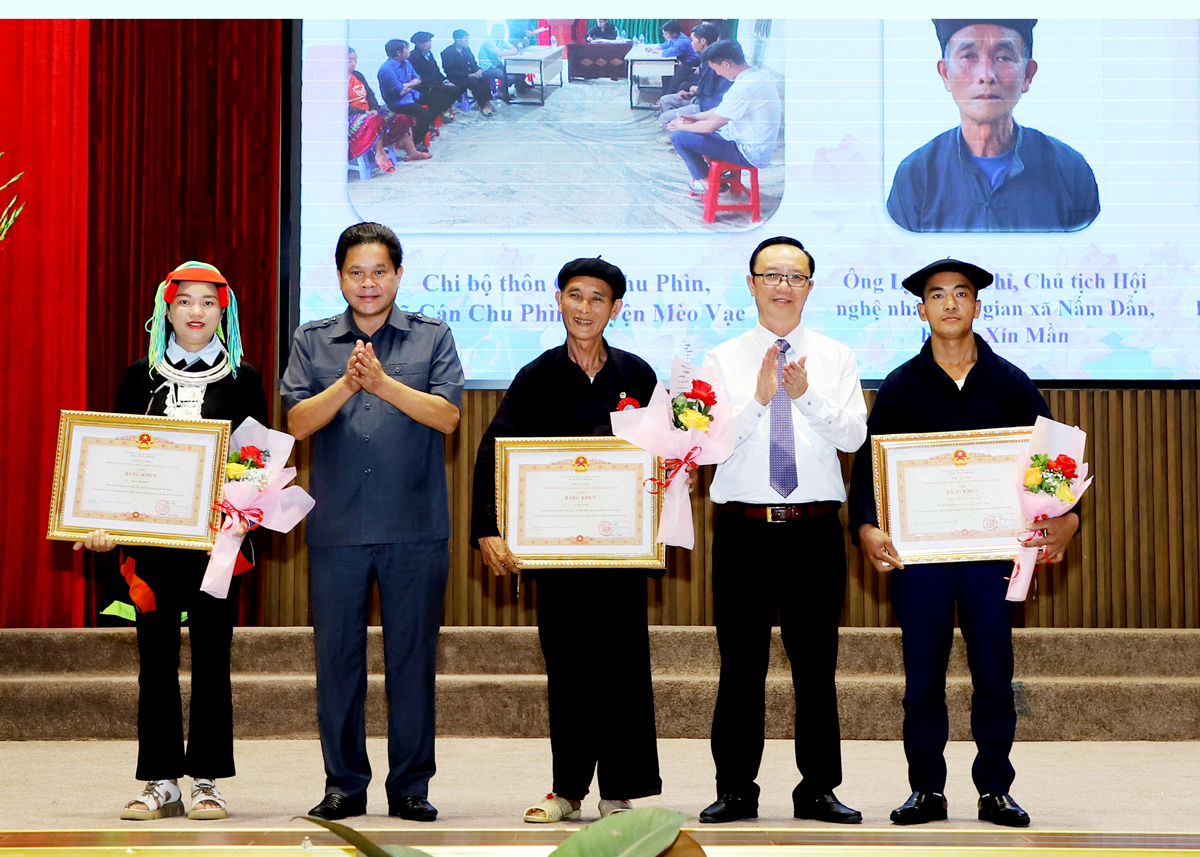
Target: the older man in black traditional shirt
pixel 585 616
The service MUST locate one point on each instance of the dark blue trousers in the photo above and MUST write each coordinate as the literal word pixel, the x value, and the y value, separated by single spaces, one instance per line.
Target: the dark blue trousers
pixel 412 590
pixel 694 148
pixel 924 598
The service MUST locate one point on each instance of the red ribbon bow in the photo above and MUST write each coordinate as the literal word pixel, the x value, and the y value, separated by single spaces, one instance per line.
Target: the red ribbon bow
pixel 672 467
pixel 252 516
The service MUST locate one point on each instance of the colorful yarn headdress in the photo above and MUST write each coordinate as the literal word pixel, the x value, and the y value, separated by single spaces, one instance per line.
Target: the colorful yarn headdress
pixel 229 331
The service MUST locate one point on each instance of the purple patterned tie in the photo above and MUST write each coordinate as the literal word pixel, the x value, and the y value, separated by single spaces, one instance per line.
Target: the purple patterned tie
pixel 783 442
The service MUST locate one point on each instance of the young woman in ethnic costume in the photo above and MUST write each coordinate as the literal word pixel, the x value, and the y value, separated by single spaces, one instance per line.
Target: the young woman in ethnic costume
pixel 194 370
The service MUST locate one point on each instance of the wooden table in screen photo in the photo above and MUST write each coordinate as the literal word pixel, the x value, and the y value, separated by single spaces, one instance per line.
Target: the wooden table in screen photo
pixel 594 60
pixel 542 61
pixel 644 66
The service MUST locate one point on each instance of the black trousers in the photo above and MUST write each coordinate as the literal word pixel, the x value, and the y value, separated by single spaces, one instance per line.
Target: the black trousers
pixel 174 575
pixel 423 114
pixel 924 597
pixel 440 97
pixel 592 626
pixel 481 87
pixel 795 570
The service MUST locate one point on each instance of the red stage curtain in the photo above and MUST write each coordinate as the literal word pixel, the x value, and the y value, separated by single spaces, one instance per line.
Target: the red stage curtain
pixel 144 144
pixel 44 275
pixel 184 157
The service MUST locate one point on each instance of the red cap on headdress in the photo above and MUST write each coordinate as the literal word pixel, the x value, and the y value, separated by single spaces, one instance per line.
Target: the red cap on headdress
pixel 199 274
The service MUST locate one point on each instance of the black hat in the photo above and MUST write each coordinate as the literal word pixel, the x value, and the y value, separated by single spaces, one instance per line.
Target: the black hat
pixel 598 268
pixel 979 278
pixel 422 36
pixel 947 27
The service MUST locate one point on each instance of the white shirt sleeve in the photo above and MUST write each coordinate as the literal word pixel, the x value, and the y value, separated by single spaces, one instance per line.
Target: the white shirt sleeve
pixel 841 421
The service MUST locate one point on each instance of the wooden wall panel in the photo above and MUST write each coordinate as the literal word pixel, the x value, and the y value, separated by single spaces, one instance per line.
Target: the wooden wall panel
pixel 1135 563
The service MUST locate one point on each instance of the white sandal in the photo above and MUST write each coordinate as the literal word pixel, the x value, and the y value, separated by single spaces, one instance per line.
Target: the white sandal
pixel 609 807
pixel 206 791
pixel 162 799
pixel 553 808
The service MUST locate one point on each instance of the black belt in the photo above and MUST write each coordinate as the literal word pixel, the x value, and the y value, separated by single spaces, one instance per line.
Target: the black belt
pixel 779 514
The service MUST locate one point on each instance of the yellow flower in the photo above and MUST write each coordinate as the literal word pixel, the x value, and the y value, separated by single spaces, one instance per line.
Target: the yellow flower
pixel 1064 493
pixel 694 419
pixel 234 471
pixel 1033 477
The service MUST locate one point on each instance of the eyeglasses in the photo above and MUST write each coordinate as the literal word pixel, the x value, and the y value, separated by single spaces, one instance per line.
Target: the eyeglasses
pixel 774 278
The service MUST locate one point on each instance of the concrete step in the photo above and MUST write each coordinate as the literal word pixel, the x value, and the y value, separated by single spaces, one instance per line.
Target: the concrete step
pixel 284 706
pixel 1072 685
pixel 674 651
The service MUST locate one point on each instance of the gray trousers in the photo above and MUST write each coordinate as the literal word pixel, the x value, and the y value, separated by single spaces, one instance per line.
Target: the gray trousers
pixel 672 106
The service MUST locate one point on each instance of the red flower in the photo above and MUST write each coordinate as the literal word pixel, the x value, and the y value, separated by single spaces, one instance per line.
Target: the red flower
pixel 628 403
pixel 1064 464
pixel 252 453
pixel 702 392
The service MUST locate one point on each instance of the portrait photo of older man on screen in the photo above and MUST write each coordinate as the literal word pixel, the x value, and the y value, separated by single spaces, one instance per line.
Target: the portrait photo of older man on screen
pixel 991 174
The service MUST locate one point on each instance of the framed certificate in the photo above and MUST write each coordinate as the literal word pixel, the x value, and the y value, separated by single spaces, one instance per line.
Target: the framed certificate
pixel 950 496
pixel 578 501
pixel 145 480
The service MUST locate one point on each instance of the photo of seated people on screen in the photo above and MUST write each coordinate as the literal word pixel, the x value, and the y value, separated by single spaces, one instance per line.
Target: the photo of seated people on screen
pixel 575 125
pixel 991 174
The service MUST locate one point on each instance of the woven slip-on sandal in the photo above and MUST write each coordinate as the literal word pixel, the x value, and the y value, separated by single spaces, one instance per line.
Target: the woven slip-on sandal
pixel 608 807
pixel 161 798
pixel 206 791
pixel 552 809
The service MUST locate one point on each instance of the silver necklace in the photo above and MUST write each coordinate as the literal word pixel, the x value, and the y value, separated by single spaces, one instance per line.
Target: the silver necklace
pixel 185 390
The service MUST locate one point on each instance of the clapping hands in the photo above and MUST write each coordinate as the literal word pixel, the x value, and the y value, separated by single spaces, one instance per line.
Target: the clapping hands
pixel 363 369
pixel 795 377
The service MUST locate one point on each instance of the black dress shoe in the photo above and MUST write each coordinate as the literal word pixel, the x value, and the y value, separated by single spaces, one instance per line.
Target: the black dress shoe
pixel 413 808
pixel 1002 809
pixel 729 808
pixel 825 807
pixel 334 807
pixel 920 808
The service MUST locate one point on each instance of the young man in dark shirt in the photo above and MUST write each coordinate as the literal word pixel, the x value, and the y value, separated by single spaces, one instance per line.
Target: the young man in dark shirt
pixel 462 69
pixel 955 383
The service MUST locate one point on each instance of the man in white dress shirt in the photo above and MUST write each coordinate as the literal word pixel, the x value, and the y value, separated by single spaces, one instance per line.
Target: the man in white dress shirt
pixel 778 547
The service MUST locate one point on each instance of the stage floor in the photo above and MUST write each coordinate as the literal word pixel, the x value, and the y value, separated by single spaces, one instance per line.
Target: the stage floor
pixel 726 842
pixel 1099 796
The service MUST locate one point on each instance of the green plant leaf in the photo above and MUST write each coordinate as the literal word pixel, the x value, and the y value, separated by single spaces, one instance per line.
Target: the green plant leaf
pixel 644 832
pixel 362 843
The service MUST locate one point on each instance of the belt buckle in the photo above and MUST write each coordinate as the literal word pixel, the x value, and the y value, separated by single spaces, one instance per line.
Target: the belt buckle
pixel 771 512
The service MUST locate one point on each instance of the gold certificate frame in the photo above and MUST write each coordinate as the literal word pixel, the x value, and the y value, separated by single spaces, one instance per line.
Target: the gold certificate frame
pixel 145 480
pixel 950 496
pixel 569 502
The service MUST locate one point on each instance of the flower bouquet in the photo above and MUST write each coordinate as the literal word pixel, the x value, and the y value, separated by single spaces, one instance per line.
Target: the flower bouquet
pixel 687 430
pixel 257 493
pixel 1051 481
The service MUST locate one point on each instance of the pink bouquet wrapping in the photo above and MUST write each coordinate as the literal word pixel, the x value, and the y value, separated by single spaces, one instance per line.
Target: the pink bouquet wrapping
pixel 691 429
pixel 1051 480
pixel 257 493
